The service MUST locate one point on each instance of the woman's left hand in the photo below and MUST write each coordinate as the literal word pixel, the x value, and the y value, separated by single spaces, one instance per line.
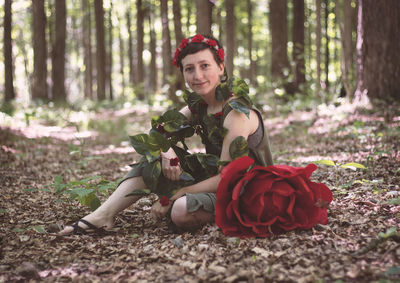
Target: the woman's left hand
pixel 158 211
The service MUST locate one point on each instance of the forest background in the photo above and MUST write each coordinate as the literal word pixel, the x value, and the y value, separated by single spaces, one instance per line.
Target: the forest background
pixel 78 76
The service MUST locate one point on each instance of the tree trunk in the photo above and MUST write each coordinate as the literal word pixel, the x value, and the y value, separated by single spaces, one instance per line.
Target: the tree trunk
pixel 278 28
pixel 230 36
pixel 178 38
pixel 109 69
pixel 39 85
pixel 130 48
pixel 326 85
pixel 87 45
pixel 58 53
pixel 345 21
pixel 139 49
pixel 153 51
pixel 8 64
pixel 252 69
pixel 298 42
pixel 204 16
pixel 318 45
pixel 121 60
pixel 378 46
pixel 100 50
pixel 167 53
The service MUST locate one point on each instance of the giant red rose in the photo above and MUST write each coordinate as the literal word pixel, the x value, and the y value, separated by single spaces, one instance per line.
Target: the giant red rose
pixel 269 200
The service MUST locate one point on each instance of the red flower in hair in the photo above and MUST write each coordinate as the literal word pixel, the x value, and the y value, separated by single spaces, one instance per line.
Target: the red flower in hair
pixel 221 54
pixel 183 44
pixel 211 42
pixel 198 38
pixel 175 60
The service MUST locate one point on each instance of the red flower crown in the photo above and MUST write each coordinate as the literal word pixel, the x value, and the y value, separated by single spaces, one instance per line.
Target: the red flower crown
pixel 198 38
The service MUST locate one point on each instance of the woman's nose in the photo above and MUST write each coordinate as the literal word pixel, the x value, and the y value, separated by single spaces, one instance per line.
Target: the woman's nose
pixel 197 74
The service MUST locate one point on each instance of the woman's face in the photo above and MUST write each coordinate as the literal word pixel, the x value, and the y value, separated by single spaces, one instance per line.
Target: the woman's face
pixel 202 72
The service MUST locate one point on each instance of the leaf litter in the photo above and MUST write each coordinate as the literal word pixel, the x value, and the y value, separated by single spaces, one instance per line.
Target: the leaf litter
pixel 360 242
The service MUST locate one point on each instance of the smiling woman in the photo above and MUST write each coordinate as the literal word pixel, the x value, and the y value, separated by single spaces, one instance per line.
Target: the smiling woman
pixel 221 112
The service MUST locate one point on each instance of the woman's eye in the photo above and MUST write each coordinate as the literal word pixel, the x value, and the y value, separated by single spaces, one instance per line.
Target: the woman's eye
pixel 188 69
pixel 205 65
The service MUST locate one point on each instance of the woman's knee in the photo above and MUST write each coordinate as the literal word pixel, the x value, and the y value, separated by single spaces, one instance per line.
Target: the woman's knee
pixel 179 213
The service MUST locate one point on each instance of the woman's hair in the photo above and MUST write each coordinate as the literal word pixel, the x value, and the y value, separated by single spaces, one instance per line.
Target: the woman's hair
pixel 194 47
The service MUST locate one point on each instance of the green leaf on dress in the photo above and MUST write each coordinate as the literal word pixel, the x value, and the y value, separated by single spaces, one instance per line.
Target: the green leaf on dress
pixel 222 92
pixel 239 107
pixel 151 173
pixel 160 141
pixel 238 147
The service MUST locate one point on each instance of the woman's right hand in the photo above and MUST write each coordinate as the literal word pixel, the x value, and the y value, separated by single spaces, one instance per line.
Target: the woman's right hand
pixel 170 165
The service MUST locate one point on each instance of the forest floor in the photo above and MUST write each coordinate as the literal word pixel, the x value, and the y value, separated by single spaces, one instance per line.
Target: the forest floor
pixel 359 244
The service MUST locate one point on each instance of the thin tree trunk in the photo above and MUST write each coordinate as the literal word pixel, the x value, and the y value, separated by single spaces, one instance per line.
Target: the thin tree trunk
pixel 110 53
pixel 121 60
pixel 347 42
pixel 318 45
pixel 327 55
pixel 204 16
pixel 8 63
pixel 252 70
pixel 153 51
pixel 230 36
pixel 298 42
pixel 279 35
pixel 100 50
pixel 139 48
pixel 87 45
pixel 167 53
pixel 130 48
pixel 178 38
pixel 39 86
pixel 58 53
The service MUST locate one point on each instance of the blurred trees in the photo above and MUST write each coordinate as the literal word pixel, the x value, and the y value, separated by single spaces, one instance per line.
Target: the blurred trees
pixel 103 49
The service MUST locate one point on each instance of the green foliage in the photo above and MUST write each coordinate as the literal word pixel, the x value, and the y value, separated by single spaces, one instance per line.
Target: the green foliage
pixel 351 165
pixel 86 191
pixel 238 148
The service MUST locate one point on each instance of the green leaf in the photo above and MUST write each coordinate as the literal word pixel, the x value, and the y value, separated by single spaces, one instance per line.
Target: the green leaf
pixel 160 141
pixel 3 211
pixel 353 166
pixel 140 143
pixel 239 107
pixel 94 203
pixel 142 192
pixel 18 230
pixel 395 201
pixel 186 177
pixel 389 233
pixel 238 147
pixel 151 173
pixel 325 162
pixel 152 156
pixel 394 270
pixel 39 229
pixel 222 92
pixel 81 192
pixel 240 87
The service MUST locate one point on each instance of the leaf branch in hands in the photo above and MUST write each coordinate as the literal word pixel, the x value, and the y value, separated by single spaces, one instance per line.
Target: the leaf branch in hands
pixel 170 165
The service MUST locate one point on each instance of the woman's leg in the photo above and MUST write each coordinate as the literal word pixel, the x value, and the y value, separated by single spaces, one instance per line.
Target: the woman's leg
pixel 104 215
pixel 189 220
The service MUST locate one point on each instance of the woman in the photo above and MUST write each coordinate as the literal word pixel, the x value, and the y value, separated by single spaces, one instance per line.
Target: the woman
pixel 209 113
